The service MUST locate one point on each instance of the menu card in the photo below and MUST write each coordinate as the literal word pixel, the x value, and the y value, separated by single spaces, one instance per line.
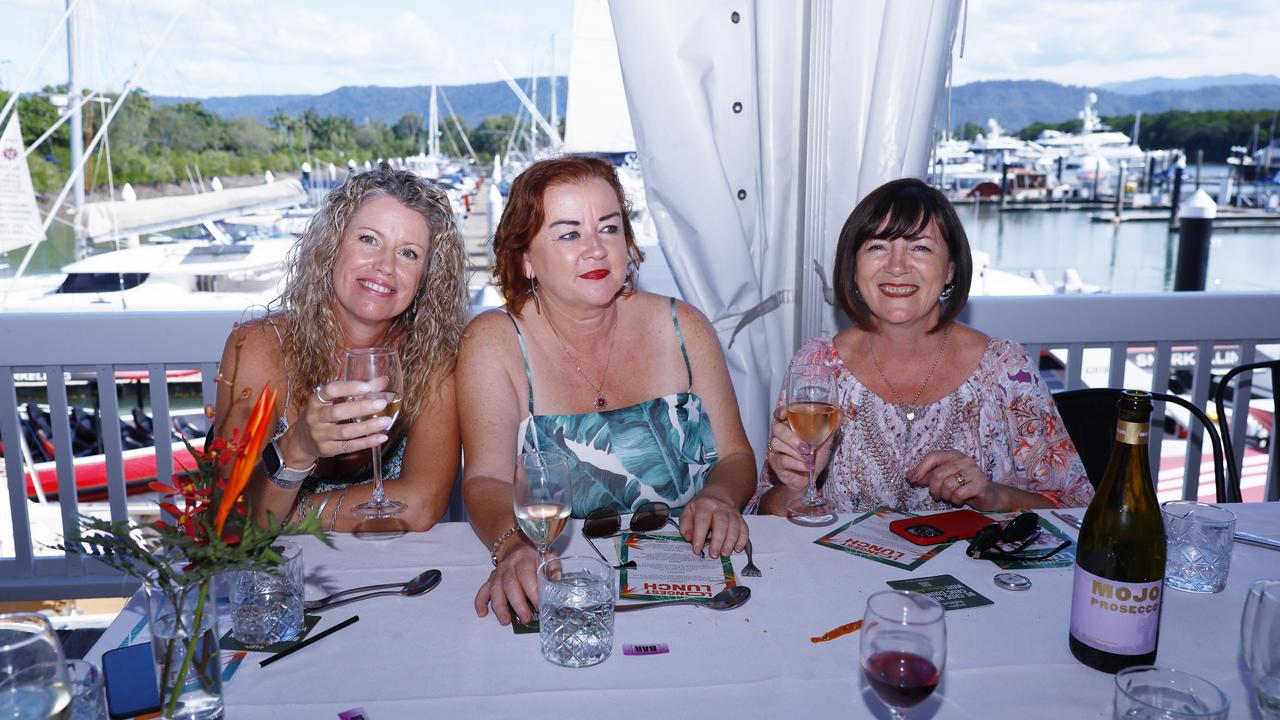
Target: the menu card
pixel 868 536
pixel 667 569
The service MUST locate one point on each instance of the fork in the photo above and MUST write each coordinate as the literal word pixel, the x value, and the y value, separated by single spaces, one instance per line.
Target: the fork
pixel 750 569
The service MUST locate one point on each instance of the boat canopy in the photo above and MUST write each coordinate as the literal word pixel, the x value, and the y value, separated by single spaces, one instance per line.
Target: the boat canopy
pixel 106 221
pixel 759 126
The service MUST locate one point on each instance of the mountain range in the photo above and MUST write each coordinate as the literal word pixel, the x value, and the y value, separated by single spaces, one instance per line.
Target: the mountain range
pixel 1013 103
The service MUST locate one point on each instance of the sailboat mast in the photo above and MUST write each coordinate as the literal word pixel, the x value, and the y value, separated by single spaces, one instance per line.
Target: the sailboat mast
pixel 555 106
pixel 433 125
pixel 77 124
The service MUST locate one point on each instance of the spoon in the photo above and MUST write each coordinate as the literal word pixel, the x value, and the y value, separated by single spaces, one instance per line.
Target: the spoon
pixel 726 599
pixel 417 586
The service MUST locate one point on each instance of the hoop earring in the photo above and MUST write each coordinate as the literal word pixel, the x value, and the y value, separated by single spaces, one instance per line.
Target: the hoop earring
pixel 947 291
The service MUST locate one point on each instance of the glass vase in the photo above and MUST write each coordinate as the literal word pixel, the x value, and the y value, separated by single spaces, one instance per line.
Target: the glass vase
pixel 184 640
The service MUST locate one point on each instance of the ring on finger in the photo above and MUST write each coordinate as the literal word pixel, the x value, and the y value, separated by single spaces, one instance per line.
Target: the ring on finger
pixel 320 398
pixel 768 449
pixel 961 480
pixel 344 447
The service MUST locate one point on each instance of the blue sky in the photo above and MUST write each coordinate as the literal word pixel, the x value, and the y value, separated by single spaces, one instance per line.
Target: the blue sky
pixel 240 47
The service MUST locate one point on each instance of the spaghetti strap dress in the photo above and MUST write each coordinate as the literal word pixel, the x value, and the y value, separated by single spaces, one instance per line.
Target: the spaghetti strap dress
pixel 657 450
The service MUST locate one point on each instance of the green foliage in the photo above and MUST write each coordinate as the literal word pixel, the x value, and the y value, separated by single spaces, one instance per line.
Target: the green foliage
pixel 489 138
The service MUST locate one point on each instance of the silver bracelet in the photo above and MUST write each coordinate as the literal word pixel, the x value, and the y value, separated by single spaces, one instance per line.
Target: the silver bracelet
pixel 337 508
pixel 300 508
pixel 323 503
pixel 497 544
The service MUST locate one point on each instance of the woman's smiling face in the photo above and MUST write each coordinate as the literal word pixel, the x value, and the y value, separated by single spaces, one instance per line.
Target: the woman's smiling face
pixel 381 260
pixel 901 279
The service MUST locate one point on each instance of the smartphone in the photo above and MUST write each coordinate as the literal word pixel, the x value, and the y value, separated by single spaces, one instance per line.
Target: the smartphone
pixel 940 528
pixel 130 676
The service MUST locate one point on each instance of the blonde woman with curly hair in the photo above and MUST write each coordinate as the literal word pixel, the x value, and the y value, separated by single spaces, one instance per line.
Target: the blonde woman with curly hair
pixel 380 265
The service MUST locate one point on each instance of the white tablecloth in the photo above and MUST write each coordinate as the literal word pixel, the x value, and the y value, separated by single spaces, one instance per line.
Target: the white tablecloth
pixel 431 656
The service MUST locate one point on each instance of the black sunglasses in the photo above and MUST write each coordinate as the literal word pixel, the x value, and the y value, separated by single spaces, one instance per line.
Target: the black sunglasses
pixel 606 522
pixel 1019 532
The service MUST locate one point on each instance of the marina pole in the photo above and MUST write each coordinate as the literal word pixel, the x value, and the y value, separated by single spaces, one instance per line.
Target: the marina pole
pixel 1194 233
pixel 1004 183
pixel 1199 165
pixel 1124 166
pixel 1176 198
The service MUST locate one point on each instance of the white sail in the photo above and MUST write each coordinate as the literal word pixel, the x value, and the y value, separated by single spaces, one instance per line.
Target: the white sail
pixel 19 217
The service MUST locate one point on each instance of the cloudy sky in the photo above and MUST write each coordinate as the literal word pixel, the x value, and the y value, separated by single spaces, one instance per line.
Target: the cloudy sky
pixel 241 47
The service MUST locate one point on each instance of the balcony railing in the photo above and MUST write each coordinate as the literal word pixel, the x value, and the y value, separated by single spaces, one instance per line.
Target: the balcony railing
pixel 1079 329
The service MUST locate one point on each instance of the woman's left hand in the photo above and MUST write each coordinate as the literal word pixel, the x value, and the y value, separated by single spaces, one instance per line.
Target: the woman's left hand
pixel 956 478
pixel 710 523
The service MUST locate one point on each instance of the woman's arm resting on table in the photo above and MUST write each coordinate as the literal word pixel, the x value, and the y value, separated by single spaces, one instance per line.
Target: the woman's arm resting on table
pixel 489 410
pixel 956 478
pixel 713 519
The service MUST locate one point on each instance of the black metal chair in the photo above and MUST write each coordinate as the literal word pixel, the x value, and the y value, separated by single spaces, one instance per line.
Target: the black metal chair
pixel 1235 467
pixel 1090 418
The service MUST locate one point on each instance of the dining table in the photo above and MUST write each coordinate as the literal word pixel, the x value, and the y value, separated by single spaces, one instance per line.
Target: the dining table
pixel 432 656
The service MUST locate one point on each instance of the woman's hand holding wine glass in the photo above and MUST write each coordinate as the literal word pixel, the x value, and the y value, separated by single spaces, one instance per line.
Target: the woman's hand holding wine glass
pixel 812 415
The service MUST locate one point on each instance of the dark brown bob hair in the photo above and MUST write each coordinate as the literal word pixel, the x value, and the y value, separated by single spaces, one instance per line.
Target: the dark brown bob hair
pixel 901 208
pixel 525 213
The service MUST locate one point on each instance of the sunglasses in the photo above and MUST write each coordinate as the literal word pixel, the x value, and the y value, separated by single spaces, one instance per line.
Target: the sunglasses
pixel 605 522
pixel 992 542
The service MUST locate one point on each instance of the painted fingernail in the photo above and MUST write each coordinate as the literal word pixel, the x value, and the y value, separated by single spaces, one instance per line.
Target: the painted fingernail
pixel 809 464
pixel 364 388
pixel 379 404
pixel 804 448
pixel 384 422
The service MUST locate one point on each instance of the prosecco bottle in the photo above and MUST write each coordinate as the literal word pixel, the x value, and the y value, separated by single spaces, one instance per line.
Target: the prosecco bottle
pixel 1119 573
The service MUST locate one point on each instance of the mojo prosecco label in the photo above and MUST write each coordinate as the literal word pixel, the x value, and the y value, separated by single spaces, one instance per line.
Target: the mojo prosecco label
pixel 1115 617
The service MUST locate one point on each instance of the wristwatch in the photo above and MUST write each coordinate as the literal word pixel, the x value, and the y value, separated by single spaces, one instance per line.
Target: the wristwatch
pixel 281 475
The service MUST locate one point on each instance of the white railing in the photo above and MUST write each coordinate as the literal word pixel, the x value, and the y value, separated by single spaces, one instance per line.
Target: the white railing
pixel 102 344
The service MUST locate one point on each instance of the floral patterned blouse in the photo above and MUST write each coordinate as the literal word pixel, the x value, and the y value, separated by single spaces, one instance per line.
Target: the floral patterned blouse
pixel 1002 415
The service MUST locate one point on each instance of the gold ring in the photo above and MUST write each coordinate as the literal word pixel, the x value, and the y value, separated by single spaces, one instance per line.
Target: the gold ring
pixel 960 478
pixel 768 450
pixel 320 398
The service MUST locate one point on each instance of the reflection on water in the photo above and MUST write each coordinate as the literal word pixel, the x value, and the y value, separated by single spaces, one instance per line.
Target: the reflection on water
pixel 1129 257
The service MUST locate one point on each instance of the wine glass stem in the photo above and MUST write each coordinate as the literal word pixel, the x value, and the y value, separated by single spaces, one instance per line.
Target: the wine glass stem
pixel 897 713
pixel 811 492
pixel 379 497
pixel 542 554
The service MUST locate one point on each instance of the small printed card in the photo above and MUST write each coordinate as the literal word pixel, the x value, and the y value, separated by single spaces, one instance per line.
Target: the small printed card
pixel 667 569
pixel 522 628
pixel 869 536
pixel 946 589
pixel 1050 538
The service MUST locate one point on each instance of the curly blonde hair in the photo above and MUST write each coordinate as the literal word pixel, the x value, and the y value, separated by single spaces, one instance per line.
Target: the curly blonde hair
pixel 426 334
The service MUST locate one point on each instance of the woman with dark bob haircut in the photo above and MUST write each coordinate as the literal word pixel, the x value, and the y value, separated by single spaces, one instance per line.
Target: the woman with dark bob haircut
pixel 631 387
pixel 933 414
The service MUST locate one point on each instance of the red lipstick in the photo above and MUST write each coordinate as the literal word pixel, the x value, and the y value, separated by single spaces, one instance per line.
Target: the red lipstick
pixel 595 275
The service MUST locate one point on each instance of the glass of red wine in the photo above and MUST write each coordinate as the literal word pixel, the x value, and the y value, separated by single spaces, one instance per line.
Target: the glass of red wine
pixel 904 647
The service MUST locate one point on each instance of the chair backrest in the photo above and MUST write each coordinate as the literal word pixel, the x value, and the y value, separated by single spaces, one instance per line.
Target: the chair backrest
pixel 1090 418
pixel 1234 451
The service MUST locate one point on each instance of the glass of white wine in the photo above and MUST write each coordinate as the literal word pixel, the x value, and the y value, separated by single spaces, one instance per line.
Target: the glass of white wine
pixel 1260 643
pixel 34 684
pixel 380 367
pixel 812 415
pixel 542 498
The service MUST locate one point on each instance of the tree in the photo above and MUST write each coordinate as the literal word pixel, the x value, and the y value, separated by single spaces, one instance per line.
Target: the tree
pixel 490 136
pixel 247 136
pixel 408 126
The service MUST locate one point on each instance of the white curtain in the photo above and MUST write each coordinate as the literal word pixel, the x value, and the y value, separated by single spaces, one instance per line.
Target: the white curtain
pixel 759 126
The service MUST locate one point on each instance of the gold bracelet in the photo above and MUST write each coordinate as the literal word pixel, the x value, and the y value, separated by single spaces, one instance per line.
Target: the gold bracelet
pixel 497 544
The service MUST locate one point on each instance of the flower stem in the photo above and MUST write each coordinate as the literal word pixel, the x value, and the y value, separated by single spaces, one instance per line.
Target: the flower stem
pixel 191 646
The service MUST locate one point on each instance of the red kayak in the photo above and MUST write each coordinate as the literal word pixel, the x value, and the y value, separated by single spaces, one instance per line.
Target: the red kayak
pixel 91 472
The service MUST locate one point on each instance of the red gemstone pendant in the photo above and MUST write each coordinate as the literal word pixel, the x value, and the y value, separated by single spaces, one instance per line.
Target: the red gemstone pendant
pixel 601 403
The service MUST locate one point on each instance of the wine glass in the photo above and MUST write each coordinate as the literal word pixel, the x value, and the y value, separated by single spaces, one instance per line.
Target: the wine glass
pixel 380 367
pixel 543 497
pixel 904 647
pixel 1260 643
pixel 812 414
pixel 33 673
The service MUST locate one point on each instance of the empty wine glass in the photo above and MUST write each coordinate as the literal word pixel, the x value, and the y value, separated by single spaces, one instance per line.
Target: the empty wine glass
pixel 812 415
pixel 380 368
pixel 1260 642
pixel 542 497
pixel 904 648
pixel 33 673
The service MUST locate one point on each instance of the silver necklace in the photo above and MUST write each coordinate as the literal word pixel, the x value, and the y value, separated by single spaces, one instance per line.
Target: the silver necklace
pixel 601 402
pixel 913 408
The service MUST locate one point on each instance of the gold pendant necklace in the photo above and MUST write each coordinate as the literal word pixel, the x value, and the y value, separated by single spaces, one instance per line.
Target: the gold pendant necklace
pixel 911 410
pixel 600 402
